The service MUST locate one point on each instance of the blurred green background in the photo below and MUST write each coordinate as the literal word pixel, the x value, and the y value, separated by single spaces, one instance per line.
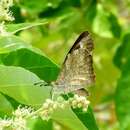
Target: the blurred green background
pixel 108 21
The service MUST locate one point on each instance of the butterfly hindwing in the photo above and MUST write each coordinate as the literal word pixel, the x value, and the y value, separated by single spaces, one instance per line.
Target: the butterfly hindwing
pixel 77 69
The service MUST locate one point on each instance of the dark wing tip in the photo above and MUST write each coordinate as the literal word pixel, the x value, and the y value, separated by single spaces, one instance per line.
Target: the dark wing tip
pixel 84 34
pixel 76 45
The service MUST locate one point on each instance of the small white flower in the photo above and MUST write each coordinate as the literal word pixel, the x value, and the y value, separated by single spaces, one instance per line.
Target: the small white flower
pixel 85 109
pixel 74 103
pixel 47 108
pixel 45 105
pixel 49 101
pixel 79 105
pixel 5 14
pixel 3 30
pixel 60 99
pixel 62 106
pixel 55 105
pixel 57 126
pixel 76 96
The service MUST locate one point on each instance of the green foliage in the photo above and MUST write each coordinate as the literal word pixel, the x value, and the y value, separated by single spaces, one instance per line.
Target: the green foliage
pixel 16 82
pixel 91 12
pixel 105 23
pixel 39 124
pixel 122 95
pixel 14 28
pixel 38 40
pixel 14 52
pixel 6 107
pixel 87 118
pixel 121 59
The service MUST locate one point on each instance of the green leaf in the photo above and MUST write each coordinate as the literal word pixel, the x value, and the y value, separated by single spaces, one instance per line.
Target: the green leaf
pixel 87 118
pixel 5 106
pixel 12 101
pixel 122 94
pixel 121 57
pixel 101 25
pixel 14 28
pixel 105 24
pixel 18 83
pixel 34 7
pixel 91 11
pixel 74 3
pixel 67 118
pixel 12 43
pixel 14 51
pixel 114 26
pixel 39 124
pixel 122 98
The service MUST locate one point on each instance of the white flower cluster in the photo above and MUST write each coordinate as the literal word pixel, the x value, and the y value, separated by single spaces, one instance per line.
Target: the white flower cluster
pixel 5 13
pixel 21 115
pixel 75 102
pixel 80 102
pixel 5 123
pixel 50 106
pixel 18 122
pixel 23 112
pixel 13 124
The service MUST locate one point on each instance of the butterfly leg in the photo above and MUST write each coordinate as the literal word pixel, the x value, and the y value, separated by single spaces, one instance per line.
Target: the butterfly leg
pixel 41 83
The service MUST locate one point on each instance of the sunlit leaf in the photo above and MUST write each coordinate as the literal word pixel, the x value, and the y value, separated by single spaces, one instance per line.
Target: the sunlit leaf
pixel 15 52
pixel 5 106
pixel 39 124
pixel 11 43
pixel 105 24
pixel 87 118
pixel 18 83
pixel 68 119
pixel 34 7
pixel 14 28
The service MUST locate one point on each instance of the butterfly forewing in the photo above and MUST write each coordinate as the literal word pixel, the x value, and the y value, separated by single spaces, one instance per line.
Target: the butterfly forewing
pixel 77 69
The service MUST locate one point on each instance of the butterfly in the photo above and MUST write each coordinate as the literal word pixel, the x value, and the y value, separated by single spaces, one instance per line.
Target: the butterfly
pixel 77 70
